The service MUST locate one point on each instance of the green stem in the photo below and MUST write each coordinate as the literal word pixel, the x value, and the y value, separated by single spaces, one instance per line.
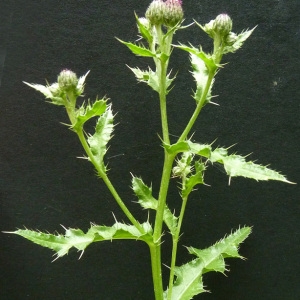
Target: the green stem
pixel 155 253
pixel 198 107
pixel 163 105
pixel 108 183
pixel 155 249
pixel 72 116
pixel 175 239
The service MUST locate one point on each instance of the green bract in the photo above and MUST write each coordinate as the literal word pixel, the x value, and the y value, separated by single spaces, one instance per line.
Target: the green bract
pixel 185 162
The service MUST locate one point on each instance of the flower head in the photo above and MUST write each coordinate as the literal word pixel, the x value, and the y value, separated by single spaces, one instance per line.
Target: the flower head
pixel 220 27
pixel 67 80
pixel 222 24
pixel 155 12
pixel 173 13
pixel 167 13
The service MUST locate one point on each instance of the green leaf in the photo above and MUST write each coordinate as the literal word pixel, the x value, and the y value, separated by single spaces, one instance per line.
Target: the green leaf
pixel 103 134
pixel 177 147
pixel 148 77
pixel 238 41
pixel 153 81
pixel 183 165
pixel 142 76
pixel 147 201
pixel 200 149
pixel 188 281
pixel 138 50
pixel 236 165
pixel 200 73
pixel 50 92
pixel 144 31
pixel 197 178
pixel 76 238
pixel 213 257
pixel 163 57
pixel 207 58
pixel 191 172
pixel 88 111
pixel 151 78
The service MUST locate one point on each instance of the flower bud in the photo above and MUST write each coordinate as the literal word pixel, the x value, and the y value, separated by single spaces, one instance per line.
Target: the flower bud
pixel 173 13
pixel 231 39
pixel 144 22
pixel 222 25
pixel 67 80
pixel 55 90
pixel 155 12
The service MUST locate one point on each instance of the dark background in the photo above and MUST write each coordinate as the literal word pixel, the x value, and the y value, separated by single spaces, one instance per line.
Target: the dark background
pixel 43 184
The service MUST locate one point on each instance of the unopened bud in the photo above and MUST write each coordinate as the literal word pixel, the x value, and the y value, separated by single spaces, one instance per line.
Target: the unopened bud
pixel 144 22
pixel 173 12
pixel 155 12
pixel 67 80
pixel 222 25
pixel 231 39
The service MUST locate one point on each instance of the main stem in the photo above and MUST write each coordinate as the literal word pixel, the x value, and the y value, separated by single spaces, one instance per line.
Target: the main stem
pixel 155 249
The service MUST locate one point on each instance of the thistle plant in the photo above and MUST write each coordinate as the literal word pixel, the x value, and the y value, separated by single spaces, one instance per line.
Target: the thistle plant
pixel 185 161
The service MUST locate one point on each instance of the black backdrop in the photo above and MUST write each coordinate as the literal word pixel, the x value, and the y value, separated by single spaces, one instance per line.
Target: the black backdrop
pixel 43 185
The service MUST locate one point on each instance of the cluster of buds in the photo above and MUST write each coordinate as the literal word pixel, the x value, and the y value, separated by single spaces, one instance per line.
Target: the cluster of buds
pixel 220 27
pixel 168 13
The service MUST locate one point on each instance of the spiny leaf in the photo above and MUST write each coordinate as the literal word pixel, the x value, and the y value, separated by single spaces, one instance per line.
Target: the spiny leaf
pixel 138 50
pixel 144 31
pixel 238 41
pixel 142 76
pixel 200 73
pixel 177 147
pixel 200 149
pixel 103 134
pixel 207 58
pixel 150 77
pixel 88 111
pixel 188 281
pixel 183 165
pixel 213 257
pixel 147 201
pixel 191 172
pixel 236 165
pixel 50 92
pixel 191 181
pixel 61 244
pixel 76 238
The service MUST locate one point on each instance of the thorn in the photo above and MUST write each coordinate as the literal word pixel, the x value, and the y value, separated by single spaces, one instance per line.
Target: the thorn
pixel 116 155
pixel 83 157
pixel 214 103
pixel 55 258
pixel 114 217
pixel 81 254
pixel 64 227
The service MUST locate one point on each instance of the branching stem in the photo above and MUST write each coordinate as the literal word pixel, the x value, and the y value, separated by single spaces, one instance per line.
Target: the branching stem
pixel 175 240
pixel 103 175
